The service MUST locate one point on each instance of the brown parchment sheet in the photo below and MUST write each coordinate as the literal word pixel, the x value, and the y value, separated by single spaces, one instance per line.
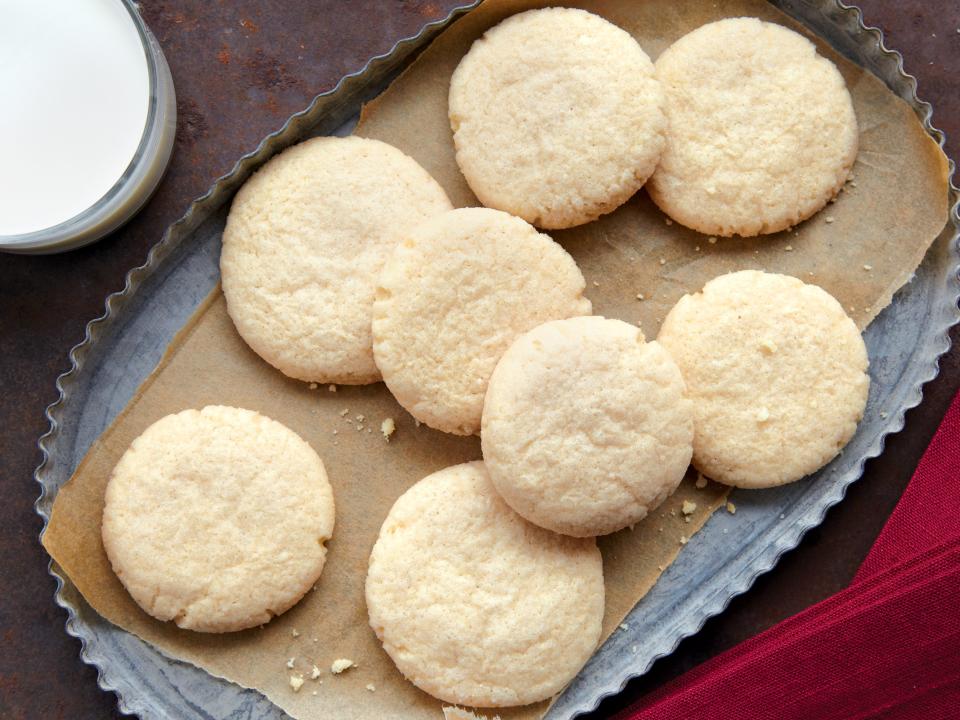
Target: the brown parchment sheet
pixel 886 220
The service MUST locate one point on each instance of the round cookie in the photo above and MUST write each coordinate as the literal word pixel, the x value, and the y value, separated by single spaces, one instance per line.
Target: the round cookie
pixel 303 246
pixel 762 129
pixel 217 518
pixel 777 373
pixel 455 293
pixel 557 117
pixel 475 605
pixel 585 426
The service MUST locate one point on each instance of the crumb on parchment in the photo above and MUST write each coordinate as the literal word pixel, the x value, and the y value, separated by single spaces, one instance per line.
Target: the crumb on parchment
pixel 688 508
pixel 341 664
pixel 388 427
pixel 290 663
pixel 314 673
pixel 455 713
pixel 371 687
pixel 296 682
pixel 731 508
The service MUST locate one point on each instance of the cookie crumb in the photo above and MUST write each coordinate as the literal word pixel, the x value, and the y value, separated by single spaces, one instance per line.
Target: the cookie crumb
pixel 343 413
pixel 388 427
pixel 296 682
pixel 341 664
pixel 360 418
pixel 295 633
pixel 768 347
pixel 371 687
pixel 868 268
pixel 688 507
pixel 701 482
pixel 624 626
pixel 314 673
pixel 663 261
pixel 454 713
pixel 789 248
pixel 596 284
pixel 290 663
pixel 332 388
pixel 683 539
pixel 639 296
pixel 660 568
pixel 883 415
pixel 312 386
pixel 712 240
pixel 731 508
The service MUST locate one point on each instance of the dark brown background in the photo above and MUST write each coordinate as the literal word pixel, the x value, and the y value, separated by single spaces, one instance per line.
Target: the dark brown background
pixel 240 69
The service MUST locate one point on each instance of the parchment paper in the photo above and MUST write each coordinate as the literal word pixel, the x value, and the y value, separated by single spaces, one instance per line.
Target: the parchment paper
pixel 886 221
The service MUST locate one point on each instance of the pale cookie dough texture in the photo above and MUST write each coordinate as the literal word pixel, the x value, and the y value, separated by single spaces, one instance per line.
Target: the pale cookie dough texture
pixel 556 117
pixel 777 373
pixel 475 605
pixel 762 129
pixel 217 518
pixel 586 428
pixel 304 243
pixel 453 296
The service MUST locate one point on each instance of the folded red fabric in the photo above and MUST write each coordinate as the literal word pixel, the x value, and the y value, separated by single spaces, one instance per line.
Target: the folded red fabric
pixel 886 647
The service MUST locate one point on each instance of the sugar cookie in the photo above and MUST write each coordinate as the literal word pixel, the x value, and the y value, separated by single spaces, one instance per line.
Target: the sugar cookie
pixel 305 240
pixel 475 605
pixel 777 373
pixel 453 296
pixel 217 518
pixel 557 117
pixel 585 426
pixel 762 129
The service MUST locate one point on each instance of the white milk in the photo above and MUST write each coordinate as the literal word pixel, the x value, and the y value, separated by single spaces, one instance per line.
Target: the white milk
pixel 74 95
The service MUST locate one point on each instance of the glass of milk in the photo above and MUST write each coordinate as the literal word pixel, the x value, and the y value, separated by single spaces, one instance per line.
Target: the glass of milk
pixel 87 120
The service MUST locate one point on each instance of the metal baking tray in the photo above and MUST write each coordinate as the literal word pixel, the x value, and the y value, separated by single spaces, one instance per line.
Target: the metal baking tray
pixel 124 345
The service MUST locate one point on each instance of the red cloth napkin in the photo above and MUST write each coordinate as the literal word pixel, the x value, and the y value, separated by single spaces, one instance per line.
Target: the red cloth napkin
pixel 886 647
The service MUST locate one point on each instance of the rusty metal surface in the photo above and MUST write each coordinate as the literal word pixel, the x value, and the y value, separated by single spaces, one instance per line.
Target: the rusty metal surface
pixel 242 68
